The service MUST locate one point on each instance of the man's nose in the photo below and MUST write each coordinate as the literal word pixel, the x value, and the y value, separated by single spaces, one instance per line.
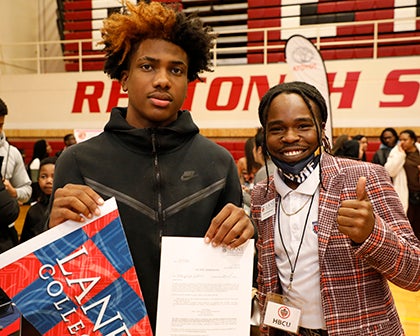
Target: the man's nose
pixel 290 136
pixel 161 79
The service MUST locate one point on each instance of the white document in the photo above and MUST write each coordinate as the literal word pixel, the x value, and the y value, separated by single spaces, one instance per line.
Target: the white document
pixel 204 290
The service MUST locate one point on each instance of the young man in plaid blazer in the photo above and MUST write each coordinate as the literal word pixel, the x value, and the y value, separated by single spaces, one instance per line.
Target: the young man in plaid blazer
pixel 332 231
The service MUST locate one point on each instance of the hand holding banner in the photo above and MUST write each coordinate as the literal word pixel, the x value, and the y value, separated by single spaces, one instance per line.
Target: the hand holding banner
pixel 76 279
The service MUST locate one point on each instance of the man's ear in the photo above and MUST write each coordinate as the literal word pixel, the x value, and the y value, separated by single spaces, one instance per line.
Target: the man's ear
pixel 323 129
pixel 123 80
pixel 260 150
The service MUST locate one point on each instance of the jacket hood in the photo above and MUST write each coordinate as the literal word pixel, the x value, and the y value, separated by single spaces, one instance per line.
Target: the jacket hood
pixel 169 137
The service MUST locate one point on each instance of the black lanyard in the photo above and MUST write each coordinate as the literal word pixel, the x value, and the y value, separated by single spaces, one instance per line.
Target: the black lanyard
pixel 293 267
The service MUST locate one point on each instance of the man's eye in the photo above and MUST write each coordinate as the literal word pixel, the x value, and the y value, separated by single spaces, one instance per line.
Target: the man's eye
pixel 276 129
pixel 177 71
pixel 146 67
pixel 305 126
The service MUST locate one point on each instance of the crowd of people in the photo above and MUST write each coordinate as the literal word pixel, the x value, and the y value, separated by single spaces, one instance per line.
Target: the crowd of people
pixel 21 184
pixel 331 229
pixel 400 155
pixel 25 184
pixel 403 165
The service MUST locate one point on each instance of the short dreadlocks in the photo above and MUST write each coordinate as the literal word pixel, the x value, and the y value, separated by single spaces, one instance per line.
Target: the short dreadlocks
pixel 308 93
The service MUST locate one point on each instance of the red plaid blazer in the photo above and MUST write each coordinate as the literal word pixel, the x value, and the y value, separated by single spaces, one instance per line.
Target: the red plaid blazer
pixel 356 298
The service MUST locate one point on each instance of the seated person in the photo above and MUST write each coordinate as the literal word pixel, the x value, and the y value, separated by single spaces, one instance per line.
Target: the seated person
pixel 38 213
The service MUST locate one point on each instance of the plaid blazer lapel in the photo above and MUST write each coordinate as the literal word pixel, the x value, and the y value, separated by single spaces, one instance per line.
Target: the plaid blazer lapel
pixel 329 200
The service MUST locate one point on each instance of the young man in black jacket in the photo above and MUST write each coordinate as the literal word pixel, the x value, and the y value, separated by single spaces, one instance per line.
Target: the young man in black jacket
pixel 168 179
pixel 9 212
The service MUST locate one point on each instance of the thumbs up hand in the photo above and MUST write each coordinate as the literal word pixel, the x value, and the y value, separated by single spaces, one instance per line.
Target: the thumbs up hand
pixel 361 193
pixel 355 217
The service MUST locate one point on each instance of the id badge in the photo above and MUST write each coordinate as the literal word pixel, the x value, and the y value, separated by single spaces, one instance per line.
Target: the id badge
pixel 280 315
pixel 268 209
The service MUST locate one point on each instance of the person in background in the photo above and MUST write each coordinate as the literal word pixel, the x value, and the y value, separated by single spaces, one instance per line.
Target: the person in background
pixel 42 150
pixel 15 187
pixel 363 146
pixel 403 165
pixel 389 138
pixel 13 171
pixel 350 149
pixel 332 231
pixel 37 215
pixel 9 212
pixel 248 165
pixel 69 140
pixel 168 180
pixel 337 148
pixel 261 155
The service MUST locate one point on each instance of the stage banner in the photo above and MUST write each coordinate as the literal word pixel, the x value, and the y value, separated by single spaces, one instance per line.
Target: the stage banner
pixel 77 279
pixel 307 66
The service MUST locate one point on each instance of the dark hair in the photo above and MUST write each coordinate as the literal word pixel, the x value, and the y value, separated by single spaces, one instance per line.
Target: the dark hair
pixel 259 137
pixel 123 32
pixel 40 150
pixel 260 142
pixel 410 133
pixel 68 136
pixel 308 92
pixel 350 149
pixel 388 129
pixel 338 145
pixel 251 164
pixel 358 137
pixel 48 160
pixel 3 108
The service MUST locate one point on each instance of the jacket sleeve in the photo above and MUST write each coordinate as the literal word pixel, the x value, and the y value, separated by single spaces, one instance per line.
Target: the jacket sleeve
pixel 9 207
pixel 392 248
pixel 233 189
pixel 66 171
pixel 20 179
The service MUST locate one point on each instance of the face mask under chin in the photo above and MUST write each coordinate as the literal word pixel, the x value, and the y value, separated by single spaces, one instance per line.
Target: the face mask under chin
pixel 299 171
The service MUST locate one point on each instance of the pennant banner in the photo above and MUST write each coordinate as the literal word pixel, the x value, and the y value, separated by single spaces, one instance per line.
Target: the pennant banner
pixel 308 66
pixel 77 280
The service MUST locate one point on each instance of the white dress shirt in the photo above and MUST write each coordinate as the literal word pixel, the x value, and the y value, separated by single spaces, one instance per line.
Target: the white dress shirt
pixel 291 215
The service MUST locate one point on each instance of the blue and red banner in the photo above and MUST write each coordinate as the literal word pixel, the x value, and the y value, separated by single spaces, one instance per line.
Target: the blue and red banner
pixel 83 283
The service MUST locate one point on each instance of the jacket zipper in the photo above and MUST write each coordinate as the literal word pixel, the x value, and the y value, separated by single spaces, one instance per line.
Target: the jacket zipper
pixel 160 215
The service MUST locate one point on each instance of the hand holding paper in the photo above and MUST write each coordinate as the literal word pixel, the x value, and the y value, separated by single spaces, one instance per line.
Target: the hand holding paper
pixel 231 227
